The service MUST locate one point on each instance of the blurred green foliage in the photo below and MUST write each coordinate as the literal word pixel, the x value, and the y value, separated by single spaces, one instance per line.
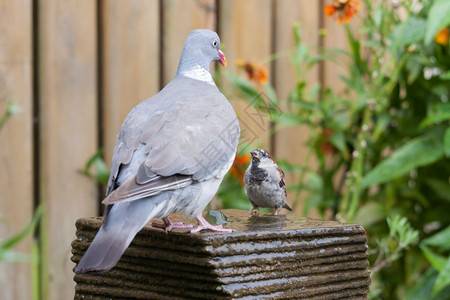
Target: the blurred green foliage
pixel 7 252
pixel 96 168
pixel 12 109
pixel 381 145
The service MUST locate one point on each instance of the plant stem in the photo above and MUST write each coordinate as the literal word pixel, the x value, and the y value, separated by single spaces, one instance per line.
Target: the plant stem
pixel 383 263
pixel 4 118
pixel 359 162
pixel 338 192
pixel 302 175
pixel 351 196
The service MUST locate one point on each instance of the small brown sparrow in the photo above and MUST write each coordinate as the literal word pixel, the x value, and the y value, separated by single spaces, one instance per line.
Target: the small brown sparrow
pixel 264 183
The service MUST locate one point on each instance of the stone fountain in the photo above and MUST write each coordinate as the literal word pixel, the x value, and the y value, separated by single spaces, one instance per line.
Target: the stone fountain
pixel 266 257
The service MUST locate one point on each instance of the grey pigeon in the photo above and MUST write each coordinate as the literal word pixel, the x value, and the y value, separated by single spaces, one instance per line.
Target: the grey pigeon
pixel 171 155
pixel 264 183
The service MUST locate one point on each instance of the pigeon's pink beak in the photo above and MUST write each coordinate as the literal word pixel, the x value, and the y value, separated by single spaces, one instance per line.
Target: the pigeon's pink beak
pixel 222 58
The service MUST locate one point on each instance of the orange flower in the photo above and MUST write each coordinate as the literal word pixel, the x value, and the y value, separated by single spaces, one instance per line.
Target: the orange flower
pixel 345 9
pixel 442 36
pixel 239 166
pixel 242 160
pixel 326 147
pixel 254 71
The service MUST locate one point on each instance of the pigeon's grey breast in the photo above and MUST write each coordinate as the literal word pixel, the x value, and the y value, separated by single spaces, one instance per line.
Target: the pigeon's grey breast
pixel 188 128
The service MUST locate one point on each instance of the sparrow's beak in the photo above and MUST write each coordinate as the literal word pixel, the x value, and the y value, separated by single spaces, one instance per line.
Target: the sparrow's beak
pixel 222 58
pixel 254 154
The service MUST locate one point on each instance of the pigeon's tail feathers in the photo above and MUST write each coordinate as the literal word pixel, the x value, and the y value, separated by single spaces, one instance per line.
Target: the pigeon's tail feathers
pixel 104 251
pixel 287 206
pixel 124 221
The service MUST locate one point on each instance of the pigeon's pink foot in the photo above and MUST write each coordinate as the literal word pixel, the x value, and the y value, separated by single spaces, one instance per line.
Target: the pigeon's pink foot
pixel 204 225
pixel 169 225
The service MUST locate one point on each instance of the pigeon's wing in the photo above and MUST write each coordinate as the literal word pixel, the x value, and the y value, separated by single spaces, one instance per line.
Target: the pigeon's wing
pixel 202 139
pixel 145 185
pixel 185 137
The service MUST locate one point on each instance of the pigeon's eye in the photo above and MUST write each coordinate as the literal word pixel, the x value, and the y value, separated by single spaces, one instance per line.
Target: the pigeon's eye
pixel 214 43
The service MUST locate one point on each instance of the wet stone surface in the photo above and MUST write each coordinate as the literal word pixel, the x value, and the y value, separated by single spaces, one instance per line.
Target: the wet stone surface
pixel 266 257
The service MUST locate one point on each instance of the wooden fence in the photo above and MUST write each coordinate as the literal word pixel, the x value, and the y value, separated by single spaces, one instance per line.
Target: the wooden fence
pixel 76 68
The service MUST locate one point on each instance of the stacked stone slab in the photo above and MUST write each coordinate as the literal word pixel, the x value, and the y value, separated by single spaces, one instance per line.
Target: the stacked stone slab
pixel 266 257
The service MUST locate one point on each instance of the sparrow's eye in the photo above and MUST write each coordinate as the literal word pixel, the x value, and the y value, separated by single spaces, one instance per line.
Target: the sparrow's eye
pixel 214 43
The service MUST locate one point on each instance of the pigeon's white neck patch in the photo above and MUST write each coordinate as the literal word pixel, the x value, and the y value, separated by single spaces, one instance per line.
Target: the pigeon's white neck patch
pixel 198 73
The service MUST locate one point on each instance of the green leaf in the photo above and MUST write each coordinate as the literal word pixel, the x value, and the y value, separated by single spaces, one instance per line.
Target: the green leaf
pixel 315 184
pixel 440 239
pixel 232 195
pixel 12 108
pixel 24 232
pixel 369 214
pixel 312 61
pixel 377 17
pixel 435 119
pixel 271 94
pixel 418 152
pixel 433 258
pixel 445 76
pixel 102 174
pixel 305 105
pixel 314 92
pixel 400 228
pixel 447 142
pixel 438 18
pixel 422 289
pixel 352 83
pixel 443 278
pixel 244 87
pixel 408 32
pixel 297 33
pixel 314 181
pixel 13 256
pixel 414 66
pixel 382 123
pixel 289 167
pixel 92 160
pixel 437 113
pixel 312 201
pixel 440 187
pixel 302 53
pixel 287 119
pixel 338 140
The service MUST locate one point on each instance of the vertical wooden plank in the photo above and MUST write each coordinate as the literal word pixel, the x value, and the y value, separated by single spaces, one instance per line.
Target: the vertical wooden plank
pixel 16 142
pixel 179 18
pixel 290 142
pixel 68 131
pixel 130 61
pixel 245 32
